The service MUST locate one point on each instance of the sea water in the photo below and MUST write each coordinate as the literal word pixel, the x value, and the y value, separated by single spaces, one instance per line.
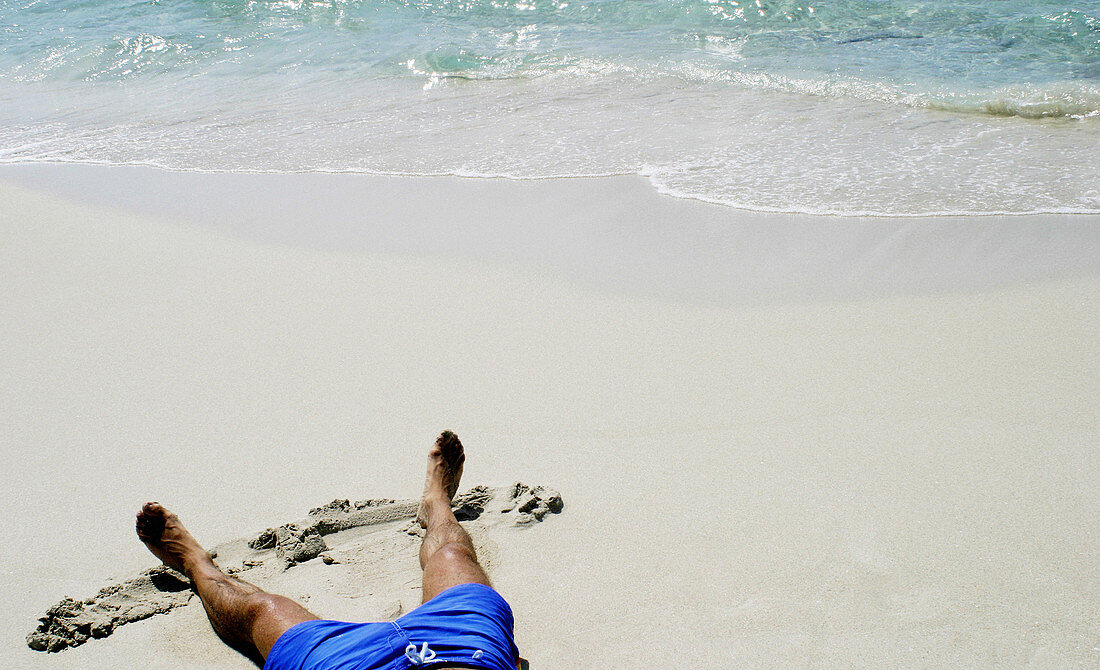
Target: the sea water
pixel 874 107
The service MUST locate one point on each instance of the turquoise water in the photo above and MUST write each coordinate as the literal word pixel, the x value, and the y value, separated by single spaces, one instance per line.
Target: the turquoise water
pixel 840 106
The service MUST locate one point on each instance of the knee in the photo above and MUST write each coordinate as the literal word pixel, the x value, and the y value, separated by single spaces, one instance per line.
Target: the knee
pixel 454 553
pixel 262 605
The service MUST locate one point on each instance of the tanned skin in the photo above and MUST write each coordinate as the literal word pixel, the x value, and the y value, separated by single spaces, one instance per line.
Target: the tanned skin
pixel 251 620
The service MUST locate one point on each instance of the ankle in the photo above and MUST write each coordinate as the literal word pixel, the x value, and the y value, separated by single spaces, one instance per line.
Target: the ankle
pixel 198 562
pixel 437 509
pixel 436 495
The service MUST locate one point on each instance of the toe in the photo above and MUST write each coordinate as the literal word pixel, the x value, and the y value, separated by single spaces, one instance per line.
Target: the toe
pixel 449 445
pixel 150 521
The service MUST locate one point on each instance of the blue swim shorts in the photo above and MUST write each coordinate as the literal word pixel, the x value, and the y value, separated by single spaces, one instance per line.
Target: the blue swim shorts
pixel 468 625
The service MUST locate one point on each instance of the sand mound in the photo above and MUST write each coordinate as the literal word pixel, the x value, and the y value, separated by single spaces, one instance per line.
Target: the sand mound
pixel 368 568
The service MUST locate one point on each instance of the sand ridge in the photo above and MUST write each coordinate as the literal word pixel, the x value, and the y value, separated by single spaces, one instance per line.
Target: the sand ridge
pixel 360 536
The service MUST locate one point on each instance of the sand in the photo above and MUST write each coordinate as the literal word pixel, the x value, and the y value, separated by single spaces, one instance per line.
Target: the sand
pixel 782 441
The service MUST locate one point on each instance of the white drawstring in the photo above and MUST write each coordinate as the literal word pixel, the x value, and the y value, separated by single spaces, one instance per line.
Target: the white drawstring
pixel 421 657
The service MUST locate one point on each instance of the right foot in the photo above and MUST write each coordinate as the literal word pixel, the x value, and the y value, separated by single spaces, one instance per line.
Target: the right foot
pixel 445 460
pixel 168 540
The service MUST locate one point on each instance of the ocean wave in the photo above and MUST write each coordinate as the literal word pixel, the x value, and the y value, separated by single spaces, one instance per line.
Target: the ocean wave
pixel 846 107
pixel 1061 99
pixel 918 47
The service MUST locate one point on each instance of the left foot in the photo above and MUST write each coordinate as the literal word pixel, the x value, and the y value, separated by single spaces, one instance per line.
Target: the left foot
pixel 445 460
pixel 168 540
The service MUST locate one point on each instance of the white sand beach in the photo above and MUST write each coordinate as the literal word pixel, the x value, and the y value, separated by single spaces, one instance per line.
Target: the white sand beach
pixel 781 441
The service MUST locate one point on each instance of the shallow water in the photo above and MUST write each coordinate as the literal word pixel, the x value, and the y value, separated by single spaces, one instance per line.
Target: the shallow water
pixel 847 107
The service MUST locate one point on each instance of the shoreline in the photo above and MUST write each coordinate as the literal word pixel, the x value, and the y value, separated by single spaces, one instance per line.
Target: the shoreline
pixel 616 235
pixel 36 165
pixel 782 441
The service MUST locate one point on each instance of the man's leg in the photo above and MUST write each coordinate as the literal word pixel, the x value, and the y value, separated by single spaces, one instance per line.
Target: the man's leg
pixel 243 615
pixel 447 555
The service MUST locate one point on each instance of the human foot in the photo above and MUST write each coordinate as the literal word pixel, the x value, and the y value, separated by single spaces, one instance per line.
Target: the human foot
pixel 168 540
pixel 445 460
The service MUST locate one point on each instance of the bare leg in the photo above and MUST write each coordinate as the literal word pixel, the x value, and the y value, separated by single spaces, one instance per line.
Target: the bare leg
pixel 447 555
pixel 244 616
